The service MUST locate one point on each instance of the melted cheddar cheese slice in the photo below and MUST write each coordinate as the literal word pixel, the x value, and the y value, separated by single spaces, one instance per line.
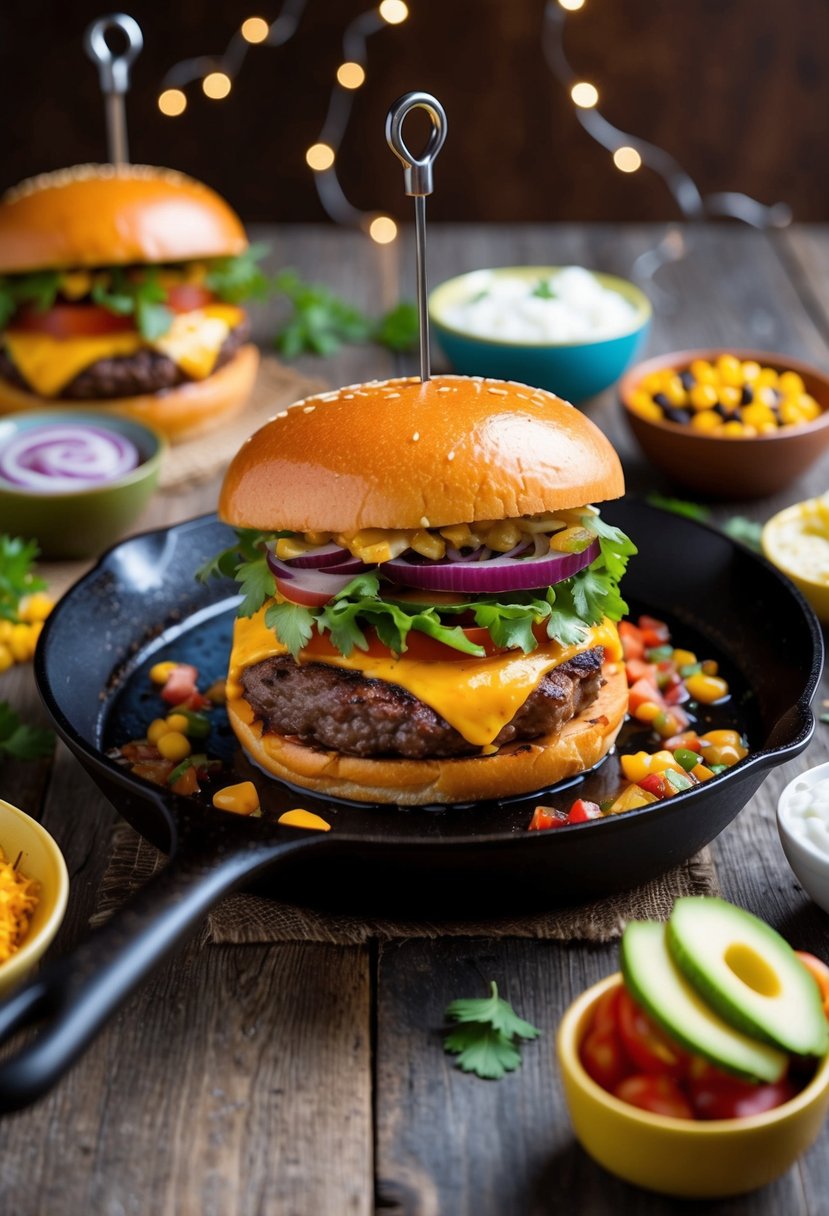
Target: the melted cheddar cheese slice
pixel 478 697
pixel 193 343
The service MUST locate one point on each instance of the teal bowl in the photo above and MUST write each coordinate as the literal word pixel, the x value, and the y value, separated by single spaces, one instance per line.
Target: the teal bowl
pixel 572 370
pixel 82 522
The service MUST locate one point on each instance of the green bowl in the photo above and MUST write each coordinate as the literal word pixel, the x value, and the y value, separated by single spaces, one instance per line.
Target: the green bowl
pixel 80 523
pixel 572 370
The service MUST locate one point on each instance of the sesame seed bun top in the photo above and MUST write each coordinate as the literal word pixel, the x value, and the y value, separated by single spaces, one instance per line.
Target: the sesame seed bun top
pixel 403 454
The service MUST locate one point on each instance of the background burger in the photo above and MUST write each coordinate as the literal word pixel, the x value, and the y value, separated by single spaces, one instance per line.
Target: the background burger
pixel 429 600
pixel 120 287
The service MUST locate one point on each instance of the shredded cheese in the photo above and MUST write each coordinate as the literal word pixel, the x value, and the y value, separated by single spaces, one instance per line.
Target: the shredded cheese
pixel 18 900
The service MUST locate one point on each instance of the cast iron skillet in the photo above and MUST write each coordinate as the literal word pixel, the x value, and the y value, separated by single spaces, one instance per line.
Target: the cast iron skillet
pixel 141 604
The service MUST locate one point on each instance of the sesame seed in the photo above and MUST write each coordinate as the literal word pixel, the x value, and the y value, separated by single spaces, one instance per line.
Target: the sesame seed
pixel 446 388
pixel 450 455
pixel 523 396
pixel 308 409
pixel 424 523
pixel 416 436
pixel 390 396
pixel 497 392
pixel 282 414
pixel 348 396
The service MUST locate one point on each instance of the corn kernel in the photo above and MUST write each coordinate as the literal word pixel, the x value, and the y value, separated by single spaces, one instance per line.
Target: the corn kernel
pixel 316 538
pixel 758 415
pixel 703 372
pixel 701 772
pixel 430 546
pixel 653 382
pixel 177 722
pixel 684 658
pixel 706 420
pixel 156 729
pixel 703 396
pixel 660 761
pixel 217 692
pixel 636 765
pixel 503 536
pixel 751 371
pixel 791 384
pixel 809 408
pixel 647 711
pixel 710 667
pixel 5 631
pixel 241 799
pixel 300 818
pixel 161 672
pixel 768 378
pixel 722 738
pixel 640 399
pixel 648 410
pixel 174 746
pixel 6 657
pixel 36 607
pixel 733 427
pixel 706 689
pixel 730 370
pixel 674 390
pixel 790 414
pixel 289 547
pixel 21 644
pixel 730 397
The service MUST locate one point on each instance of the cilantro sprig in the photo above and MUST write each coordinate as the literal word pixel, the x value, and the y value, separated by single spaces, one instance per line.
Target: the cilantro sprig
pixel 486 1039
pixel 21 741
pixel 322 322
pixel 566 610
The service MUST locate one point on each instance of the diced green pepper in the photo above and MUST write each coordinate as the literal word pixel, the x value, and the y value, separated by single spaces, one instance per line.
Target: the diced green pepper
pixel 198 725
pixel 679 781
pixel 687 758
pixel 659 654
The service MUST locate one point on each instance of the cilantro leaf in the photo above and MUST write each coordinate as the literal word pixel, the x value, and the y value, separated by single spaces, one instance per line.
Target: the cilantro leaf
pixel 487 1052
pixel 484 1041
pixel 494 1010
pixel 616 548
pixel 22 742
pixel 748 531
pixel 38 288
pixel 239 278
pixel 399 329
pixel 543 290
pixel 292 624
pixel 17 580
pixel 321 321
pixel 257 585
pixel 679 506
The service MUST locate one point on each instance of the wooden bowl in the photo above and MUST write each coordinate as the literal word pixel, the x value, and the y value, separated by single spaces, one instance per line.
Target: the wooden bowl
pixel 730 466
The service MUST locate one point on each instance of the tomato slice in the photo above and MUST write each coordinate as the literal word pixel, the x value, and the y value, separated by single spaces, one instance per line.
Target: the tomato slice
pixel 649 1048
pixel 718 1095
pixel 420 646
pixel 660 1095
pixel 71 321
pixel 185 297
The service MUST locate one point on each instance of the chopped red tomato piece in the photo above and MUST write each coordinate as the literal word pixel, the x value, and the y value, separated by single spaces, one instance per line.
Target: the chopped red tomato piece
pixel 655 784
pixel 638 669
pixel 545 817
pixel 582 810
pixel 642 691
pixel 180 688
pixel 653 632
pixel 658 1094
pixel 632 645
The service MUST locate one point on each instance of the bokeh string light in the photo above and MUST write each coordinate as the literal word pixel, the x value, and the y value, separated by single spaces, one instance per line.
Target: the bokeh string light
pixel 217 73
pixel 630 153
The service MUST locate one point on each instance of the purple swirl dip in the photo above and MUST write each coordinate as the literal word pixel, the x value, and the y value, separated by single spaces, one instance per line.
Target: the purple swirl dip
pixel 54 458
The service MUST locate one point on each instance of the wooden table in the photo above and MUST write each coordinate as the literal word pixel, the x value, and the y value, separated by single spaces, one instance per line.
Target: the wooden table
pixel 309 1080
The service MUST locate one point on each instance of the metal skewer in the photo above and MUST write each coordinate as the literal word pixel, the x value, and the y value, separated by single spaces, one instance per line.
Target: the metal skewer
pixel 114 75
pixel 417 175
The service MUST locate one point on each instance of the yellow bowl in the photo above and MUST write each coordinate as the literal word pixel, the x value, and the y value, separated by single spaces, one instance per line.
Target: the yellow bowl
pixel 802 519
pixel 682 1157
pixel 43 861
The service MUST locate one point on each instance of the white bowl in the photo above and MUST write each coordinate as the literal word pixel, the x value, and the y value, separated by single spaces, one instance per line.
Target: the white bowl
pixel 809 862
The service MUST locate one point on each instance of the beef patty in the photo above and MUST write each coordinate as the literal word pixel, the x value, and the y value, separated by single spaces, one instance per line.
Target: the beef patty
pixel 341 710
pixel 147 371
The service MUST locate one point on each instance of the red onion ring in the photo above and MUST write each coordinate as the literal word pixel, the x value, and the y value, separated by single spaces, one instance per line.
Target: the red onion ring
pixel 495 574
pixel 311 587
pixel 53 458
pixel 323 555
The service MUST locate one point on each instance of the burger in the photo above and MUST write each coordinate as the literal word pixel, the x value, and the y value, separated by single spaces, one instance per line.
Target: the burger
pixel 120 288
pixel 429 593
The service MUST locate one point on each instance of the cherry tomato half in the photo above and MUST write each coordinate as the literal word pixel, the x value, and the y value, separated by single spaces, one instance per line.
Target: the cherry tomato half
pixel 660 1095
pixel 717 1095
pixel 603 1058
pixel 646 1044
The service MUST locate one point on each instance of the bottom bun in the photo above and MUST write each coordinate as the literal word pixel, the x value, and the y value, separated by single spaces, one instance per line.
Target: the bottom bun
pixel 516 768
pixel 179 413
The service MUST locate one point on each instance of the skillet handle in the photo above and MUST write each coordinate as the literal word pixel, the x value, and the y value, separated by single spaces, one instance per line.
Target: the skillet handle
pixel 73 997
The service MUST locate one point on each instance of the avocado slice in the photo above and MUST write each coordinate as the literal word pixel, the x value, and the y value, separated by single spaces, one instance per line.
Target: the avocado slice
pixel 747 972
pixel 657 984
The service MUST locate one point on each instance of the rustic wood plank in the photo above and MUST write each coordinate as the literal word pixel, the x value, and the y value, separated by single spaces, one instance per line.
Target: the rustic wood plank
pixel 236 1084
pixel 449 1142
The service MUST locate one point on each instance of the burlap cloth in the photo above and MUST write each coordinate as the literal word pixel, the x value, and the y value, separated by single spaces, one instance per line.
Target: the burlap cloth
pixel 244 918
pixel 200 458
